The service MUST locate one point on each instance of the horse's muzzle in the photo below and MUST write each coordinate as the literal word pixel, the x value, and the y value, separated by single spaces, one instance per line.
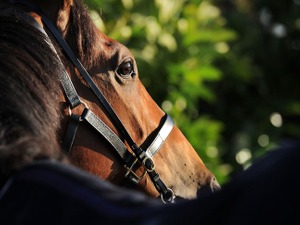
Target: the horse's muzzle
pixel 210 187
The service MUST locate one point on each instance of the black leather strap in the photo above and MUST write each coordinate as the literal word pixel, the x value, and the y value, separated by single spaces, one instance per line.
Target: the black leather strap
pixel 70 135
pixel 69 90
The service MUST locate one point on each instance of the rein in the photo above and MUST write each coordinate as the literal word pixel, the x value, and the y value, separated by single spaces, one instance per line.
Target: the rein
pixel 130 159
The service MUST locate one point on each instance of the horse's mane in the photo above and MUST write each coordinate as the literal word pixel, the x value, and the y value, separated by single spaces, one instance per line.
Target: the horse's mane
pixel 29 86
pixel 29 90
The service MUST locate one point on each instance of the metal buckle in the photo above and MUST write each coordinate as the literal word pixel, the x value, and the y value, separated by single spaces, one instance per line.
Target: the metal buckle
pixel 132 175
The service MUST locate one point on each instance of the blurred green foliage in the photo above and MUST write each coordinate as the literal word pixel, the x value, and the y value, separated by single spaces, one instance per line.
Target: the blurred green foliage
pixel 226 71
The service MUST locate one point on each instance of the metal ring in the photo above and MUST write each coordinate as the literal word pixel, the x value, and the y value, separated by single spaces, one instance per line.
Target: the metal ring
pixel 171 199
pixel 152 164
pixel 81 103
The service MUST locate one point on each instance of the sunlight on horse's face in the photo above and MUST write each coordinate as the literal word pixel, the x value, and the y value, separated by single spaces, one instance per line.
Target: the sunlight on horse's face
pixel 115 73
pixel 177 162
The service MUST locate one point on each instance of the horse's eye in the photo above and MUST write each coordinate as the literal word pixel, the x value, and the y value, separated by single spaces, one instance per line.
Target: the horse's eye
pixel 126 69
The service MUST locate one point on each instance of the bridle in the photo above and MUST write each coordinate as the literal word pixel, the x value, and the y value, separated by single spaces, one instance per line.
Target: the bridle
pixel 130 159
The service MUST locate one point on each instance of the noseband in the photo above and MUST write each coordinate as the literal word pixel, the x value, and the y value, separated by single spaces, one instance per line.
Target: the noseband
pixel 129 158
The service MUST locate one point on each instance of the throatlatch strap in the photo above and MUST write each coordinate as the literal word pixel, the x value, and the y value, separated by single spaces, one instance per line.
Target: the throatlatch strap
pixel 71 132
pixel 70 90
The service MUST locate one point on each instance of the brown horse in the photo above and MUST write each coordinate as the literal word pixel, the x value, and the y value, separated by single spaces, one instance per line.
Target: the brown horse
pixel 125 110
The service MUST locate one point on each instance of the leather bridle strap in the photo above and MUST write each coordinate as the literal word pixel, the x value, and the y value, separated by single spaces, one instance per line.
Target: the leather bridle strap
pixel 144 157
pixel 160 138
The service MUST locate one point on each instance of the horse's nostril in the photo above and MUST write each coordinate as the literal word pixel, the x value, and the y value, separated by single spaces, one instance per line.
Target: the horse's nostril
pixel 212 186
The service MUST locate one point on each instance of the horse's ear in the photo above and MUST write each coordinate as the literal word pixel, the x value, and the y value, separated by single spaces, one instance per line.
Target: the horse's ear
pixel 63 15
pixel 67 3
pixel 57 10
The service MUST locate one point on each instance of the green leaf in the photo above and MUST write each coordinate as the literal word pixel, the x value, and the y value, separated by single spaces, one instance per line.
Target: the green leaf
pixel 209 73
pixel 209 35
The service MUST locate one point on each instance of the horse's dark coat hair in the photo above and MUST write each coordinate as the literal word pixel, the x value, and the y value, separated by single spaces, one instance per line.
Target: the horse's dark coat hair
pixel 29 90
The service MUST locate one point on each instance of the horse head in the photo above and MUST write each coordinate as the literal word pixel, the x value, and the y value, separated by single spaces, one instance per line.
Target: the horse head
pixel 113 69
